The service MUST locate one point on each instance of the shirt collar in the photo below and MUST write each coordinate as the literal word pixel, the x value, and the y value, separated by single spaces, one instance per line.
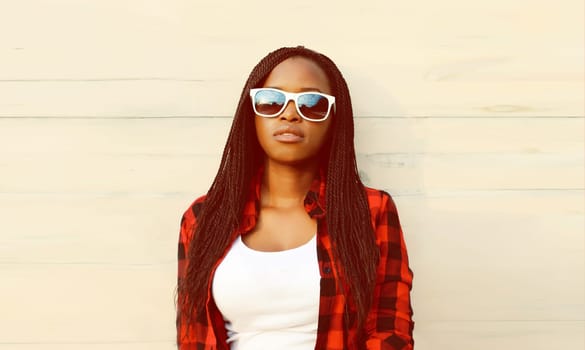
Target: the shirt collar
pixel 314 201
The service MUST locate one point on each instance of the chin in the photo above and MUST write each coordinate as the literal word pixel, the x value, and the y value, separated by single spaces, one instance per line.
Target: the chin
pixel 291 161
pixel 294 160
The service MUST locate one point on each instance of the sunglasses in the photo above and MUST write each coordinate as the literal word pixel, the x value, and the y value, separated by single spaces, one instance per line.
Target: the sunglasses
pixel 311 105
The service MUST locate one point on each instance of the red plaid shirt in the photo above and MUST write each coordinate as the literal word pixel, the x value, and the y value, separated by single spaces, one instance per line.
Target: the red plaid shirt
pixel 389 322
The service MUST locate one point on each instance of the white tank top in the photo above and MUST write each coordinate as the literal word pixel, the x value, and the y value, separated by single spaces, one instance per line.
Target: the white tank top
pixel 269 300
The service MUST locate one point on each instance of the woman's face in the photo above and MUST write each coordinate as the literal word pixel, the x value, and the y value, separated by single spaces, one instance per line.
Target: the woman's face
pixel 288 138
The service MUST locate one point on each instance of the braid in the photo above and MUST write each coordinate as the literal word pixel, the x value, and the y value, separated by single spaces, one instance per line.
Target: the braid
pixel 349 219
pixel 348 215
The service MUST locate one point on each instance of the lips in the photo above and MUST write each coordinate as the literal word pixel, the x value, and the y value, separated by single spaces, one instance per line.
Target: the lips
pixel 289 134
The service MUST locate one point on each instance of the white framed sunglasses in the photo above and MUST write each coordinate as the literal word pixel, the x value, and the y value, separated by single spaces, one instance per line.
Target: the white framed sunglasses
pixel 311 105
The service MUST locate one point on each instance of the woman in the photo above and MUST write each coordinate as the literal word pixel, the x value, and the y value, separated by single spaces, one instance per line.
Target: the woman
pixel 288 249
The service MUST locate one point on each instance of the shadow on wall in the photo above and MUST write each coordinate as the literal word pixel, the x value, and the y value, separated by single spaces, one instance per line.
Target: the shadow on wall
pixel 388 148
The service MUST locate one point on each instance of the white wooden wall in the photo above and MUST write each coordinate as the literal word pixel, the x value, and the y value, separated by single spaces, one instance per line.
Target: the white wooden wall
pixel 113 114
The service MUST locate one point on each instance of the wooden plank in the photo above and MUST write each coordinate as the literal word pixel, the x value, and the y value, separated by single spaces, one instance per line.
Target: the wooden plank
pixel 413 173
pixel 99 345
pixel 127 231
pixel 539 335
pixel 406 173
pixel 173 97
pixel 507 335
pixel 470 135
pixel 87 304
pixel 188 136
pixel 178 155
pixel 439 335
pixel 188 38
pixel 173 136
pixel 497 255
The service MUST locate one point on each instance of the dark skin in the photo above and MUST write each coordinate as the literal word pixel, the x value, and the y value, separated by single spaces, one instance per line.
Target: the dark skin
pixel 292 145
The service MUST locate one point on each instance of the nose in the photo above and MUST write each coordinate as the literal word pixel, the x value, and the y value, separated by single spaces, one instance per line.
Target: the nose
pixel 290 112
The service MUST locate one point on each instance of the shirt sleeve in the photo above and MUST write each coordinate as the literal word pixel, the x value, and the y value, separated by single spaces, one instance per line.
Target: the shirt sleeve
pixel 188 221
pixel 207 331
pixel 389 323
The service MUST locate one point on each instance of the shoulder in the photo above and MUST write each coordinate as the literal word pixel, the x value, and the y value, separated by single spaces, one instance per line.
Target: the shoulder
pixel 189 218
pixel 379 200
pixel 382 208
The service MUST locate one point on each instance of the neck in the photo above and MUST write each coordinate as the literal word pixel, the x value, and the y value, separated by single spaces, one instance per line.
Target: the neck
pixel 285 186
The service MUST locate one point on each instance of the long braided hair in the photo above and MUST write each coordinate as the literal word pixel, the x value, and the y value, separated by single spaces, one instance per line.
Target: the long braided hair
pixel 347 211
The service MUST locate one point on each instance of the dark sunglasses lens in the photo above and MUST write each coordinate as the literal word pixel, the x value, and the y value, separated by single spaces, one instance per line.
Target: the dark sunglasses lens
pixel 269 102
pixel 313 106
